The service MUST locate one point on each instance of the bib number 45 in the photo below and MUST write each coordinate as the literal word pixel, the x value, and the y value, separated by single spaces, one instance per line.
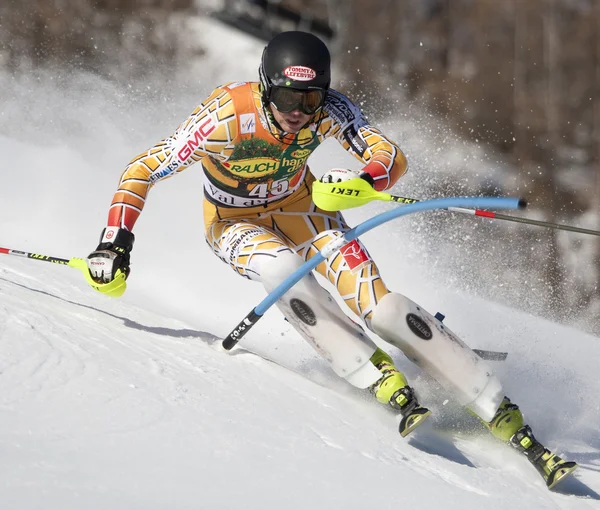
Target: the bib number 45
pixel 270 189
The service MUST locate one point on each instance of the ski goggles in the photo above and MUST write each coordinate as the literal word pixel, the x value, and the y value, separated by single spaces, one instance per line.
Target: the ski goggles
pixel 287 100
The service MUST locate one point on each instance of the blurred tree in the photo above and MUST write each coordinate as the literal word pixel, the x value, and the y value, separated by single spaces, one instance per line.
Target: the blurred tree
pixel 522 76
pixel 88 34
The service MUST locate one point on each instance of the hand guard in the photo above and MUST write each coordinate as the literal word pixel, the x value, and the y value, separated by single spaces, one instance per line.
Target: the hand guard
pixel 111 255
pixel 343 174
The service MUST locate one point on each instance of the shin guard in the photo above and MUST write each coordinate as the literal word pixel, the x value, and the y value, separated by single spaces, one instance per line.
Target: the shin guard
pixel 433 347
pixel 319 319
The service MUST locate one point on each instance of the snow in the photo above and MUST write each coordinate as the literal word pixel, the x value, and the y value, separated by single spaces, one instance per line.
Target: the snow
pixel 132 403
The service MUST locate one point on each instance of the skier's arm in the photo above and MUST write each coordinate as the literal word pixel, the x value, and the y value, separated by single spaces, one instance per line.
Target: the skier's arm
pixel 197 137
pixel 201 134
pixel 383 159
pixel 385 162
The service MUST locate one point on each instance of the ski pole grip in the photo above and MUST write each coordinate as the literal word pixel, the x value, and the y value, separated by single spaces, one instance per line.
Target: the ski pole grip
pixel 240 330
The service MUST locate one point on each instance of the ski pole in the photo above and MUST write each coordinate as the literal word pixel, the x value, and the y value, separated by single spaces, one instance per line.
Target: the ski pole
pixel 114 288
pixel 34 256
pixel 357 192
pixel 498 216
pixel 516 219
pixel 330 248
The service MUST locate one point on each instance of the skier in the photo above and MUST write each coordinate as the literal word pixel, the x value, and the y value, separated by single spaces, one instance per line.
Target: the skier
pixel 253 141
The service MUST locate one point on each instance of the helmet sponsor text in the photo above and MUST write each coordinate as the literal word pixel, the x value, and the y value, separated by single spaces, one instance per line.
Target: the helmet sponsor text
pixel 300 73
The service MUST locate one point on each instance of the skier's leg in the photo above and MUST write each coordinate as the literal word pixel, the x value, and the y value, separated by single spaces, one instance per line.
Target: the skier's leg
pixel 257 252
pixel 427 342
pixel 358 282
pixel 395 318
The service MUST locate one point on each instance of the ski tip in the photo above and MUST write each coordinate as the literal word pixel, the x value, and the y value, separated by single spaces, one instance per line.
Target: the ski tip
pixel 412 421
pixel 560 473
pixel 491 355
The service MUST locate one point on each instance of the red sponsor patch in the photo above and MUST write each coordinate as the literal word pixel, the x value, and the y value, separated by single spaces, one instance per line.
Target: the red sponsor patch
pixel 354 255
pixel 300 73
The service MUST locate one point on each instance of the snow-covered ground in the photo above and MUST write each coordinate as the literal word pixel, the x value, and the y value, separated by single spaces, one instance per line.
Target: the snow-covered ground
pixel 132 404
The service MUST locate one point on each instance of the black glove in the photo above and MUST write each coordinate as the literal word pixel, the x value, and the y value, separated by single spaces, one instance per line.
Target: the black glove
pixel 111 254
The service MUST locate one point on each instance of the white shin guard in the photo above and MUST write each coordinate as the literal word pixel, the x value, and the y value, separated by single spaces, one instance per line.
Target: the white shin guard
pixel 319 319
pixel 433 347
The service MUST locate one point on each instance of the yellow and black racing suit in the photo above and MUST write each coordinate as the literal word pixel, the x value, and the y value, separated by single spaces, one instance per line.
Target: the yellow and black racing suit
pixel 257 185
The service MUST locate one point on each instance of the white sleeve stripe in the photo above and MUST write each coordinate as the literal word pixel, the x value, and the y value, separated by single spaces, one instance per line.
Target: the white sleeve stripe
pixel 132 194
pixel 134 179
pixel 126 206
pixel 385 167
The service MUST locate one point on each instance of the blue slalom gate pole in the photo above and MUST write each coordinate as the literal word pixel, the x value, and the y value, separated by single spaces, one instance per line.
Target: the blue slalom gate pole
pixel 330 248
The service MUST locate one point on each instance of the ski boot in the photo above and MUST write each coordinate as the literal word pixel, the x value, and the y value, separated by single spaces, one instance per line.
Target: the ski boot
pixel 508 425
pixel 507 420
pixel 552 468
pixel 392 389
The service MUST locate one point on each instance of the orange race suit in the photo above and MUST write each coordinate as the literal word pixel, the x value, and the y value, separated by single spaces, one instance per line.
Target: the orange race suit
pixel 257 184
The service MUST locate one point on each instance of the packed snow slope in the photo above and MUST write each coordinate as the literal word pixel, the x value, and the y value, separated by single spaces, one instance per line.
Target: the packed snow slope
pixel 132 404
pixel 104 404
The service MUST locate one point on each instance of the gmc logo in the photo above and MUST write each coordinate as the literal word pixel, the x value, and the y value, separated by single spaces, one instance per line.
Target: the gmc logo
pixel 200 135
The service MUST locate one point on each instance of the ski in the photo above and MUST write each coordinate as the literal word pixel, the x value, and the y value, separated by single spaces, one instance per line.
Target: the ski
pixel 491 355
pixel 559 473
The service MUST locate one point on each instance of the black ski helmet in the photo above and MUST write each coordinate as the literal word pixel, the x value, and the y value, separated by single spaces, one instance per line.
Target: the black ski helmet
pixel 297 60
